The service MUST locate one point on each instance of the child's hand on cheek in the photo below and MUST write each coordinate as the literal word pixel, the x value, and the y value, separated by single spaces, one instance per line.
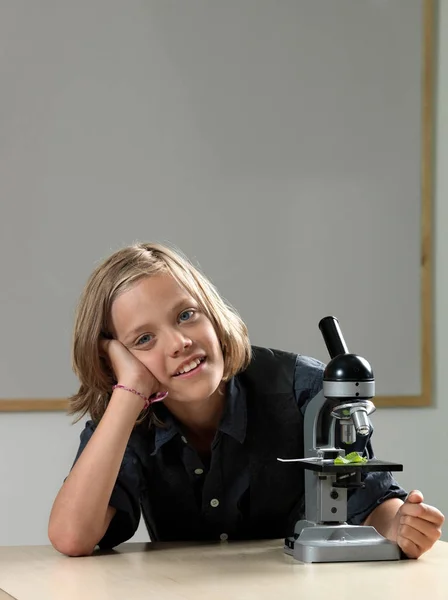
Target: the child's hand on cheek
pixel 127 369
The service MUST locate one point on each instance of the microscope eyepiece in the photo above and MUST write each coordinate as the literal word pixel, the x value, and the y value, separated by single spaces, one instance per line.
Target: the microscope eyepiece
pixel 333 338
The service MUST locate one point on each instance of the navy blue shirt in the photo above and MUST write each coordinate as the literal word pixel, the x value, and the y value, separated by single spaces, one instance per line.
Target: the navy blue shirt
pixel 184 497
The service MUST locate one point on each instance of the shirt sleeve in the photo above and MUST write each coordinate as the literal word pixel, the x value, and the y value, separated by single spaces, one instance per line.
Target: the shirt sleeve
pixel 308 379
pixel 379 486
pixel 124 498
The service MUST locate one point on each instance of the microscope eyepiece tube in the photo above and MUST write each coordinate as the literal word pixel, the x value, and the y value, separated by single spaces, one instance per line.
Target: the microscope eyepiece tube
pixel 333 338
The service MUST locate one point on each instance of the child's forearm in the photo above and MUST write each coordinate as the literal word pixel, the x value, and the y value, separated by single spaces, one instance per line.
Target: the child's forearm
pixel 382 518
pixel 80 515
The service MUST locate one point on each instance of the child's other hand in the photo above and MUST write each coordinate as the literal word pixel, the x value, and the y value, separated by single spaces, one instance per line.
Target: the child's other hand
pixel 418 525
pixel 127 369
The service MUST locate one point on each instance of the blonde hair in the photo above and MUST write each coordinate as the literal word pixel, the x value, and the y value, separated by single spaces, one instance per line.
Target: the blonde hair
pixel 93 319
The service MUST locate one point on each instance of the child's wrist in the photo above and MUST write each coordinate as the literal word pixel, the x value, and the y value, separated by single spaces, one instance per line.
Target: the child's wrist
pixel 144 393
pixel 144 397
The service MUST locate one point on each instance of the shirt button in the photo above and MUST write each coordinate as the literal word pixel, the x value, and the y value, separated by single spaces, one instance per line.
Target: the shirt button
pixel 214 502
pixel 198 471
pixel 184 439
pixel 223 537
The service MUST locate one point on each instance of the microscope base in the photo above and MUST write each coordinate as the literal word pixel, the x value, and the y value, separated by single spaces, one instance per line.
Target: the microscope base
pixel 339 543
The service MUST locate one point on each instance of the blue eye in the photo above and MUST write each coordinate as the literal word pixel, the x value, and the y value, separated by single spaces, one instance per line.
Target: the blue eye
pixel 189 314
pixel 144 339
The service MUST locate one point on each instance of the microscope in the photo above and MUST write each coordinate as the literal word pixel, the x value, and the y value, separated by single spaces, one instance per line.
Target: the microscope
pixel 339 414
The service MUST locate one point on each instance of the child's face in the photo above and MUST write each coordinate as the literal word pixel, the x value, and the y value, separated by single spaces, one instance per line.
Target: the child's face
pixel 162 325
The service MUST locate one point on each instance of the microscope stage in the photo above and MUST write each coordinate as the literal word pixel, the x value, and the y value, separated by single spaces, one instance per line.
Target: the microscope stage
pixel 328 466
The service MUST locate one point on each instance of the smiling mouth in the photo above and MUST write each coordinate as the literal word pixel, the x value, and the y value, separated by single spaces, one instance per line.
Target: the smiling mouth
pixel 199 362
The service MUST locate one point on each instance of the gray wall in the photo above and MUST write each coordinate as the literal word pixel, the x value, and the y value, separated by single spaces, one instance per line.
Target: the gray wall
pixel 151 121
pixel 279 140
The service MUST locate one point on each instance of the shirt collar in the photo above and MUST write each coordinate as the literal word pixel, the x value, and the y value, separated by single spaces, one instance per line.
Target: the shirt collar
pixel 233 420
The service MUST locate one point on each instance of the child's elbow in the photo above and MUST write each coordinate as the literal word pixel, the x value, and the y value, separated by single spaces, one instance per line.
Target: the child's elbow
pixel 70 544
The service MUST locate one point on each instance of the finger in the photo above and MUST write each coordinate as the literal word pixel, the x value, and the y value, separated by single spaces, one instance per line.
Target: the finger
pixel 422 511
pixel 415 497
pixel 409 548
pixel 426 528
pixel 413 542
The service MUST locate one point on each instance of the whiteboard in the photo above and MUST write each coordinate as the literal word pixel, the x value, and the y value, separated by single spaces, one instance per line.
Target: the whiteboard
pixel 283 146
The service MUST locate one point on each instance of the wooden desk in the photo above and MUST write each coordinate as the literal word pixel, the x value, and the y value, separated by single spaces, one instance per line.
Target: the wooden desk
pixel 230 571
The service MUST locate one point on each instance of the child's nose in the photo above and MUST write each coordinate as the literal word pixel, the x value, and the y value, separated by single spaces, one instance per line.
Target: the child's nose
pixel 178 342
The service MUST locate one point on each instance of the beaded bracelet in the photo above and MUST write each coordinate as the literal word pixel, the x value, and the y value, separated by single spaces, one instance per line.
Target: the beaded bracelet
pixel 148 401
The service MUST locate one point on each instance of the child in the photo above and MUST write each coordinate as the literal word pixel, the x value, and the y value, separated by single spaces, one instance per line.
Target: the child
pixel 187 421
